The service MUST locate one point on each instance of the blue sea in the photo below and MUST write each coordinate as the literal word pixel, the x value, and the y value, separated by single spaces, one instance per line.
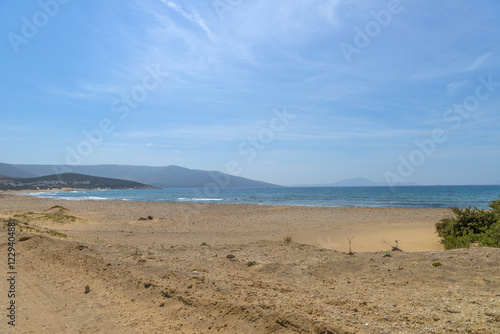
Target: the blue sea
pixel 380 197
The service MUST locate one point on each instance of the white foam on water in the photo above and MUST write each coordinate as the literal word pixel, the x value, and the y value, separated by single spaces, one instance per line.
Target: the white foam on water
pixel 182 199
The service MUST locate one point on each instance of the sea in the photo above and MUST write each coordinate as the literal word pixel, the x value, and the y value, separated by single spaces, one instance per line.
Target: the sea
pixel 378 197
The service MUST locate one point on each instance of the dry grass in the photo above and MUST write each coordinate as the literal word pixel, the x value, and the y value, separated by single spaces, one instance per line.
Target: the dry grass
pixel 288 238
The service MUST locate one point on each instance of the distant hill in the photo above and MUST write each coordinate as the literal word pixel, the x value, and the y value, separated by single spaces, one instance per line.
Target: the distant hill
pixel 67 180
pixel 160 177
pixel 12 171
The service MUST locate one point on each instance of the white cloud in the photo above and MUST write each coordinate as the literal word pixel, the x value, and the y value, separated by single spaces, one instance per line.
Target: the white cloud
pixel 207 133
pixel 194 18
pixel 14 128
pixel 69 93
pixel 321 134
pixel 454 87
pixel 285 21
pixel 479 61
pixel 102 88
pixel 328 11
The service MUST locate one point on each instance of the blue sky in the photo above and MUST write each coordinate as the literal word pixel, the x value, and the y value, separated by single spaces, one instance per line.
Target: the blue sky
pixel 285 91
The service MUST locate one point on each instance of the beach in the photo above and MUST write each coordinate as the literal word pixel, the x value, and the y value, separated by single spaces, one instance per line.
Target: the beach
pixel 233 268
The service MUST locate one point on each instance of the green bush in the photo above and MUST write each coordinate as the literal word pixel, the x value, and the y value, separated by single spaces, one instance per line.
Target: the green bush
pixel 471 225
pixel 491 237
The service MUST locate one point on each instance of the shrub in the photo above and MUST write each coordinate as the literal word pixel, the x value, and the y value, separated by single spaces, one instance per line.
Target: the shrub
pixel 251 263
pixel 471 225
pixel 287 238
pixel 491 237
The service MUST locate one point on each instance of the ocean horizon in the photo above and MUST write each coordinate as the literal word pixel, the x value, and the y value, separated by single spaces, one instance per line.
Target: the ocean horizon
pixel 379 197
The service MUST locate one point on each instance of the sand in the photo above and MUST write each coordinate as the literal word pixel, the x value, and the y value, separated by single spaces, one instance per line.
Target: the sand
pixel 215 268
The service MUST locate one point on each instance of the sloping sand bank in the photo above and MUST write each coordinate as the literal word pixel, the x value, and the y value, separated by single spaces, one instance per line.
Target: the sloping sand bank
pixel 225 268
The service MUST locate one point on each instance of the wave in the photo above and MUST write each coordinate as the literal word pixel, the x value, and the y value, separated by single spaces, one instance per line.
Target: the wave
pixel 95 198
pixel 41 195
pixel 408 197
pixel 70 198
pixel 182 199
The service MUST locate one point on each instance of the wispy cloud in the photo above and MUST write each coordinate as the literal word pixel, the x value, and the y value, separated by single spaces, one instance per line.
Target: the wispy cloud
pixel 102 88
pixel 194 18
pixel 84 91
pixel 454 87
pixel 479 61
pixel 322 136
pixel 328 11
pixel 72 94
pixel 14 128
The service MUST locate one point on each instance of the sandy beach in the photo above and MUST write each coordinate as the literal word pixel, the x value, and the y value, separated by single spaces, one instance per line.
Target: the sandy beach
pixel 220 268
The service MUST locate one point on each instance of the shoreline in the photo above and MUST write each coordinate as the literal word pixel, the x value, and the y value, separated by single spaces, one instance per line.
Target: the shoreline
pixel 194 203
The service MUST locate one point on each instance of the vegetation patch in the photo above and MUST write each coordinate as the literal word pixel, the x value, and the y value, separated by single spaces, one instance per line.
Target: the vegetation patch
pixel 136 254
pixel 57 217
pixel 34 229
pixel 176 248
pixel 287 238
pixel 251 263
pixel 395 248
pixel 25 226
pixel 23 217
pixel 15 221
pixel 471 226
pixel 57 208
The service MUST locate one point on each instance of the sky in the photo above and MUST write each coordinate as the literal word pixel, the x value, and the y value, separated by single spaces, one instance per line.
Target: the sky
pixel 284 91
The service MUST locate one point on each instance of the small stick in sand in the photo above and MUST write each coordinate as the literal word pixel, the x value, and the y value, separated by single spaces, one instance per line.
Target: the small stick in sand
pixel 350 250
pixel 394 248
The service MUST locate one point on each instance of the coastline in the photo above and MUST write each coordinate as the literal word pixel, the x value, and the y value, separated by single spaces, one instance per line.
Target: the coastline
pixel 379 197
pixel 29 191
pixel 141 267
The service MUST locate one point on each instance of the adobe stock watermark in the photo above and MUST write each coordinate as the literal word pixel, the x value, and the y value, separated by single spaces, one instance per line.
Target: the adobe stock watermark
pixel 122 107
pixel 366 34
pixel 453 116
pixel 31 26
pixel 224 6
pixel 248 150
pixel 259 141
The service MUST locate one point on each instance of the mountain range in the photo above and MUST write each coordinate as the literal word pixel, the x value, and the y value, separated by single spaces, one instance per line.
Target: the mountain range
pixel 160 177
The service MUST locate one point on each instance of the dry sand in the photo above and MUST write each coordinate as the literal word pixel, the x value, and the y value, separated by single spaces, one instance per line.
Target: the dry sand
pixel 225 268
